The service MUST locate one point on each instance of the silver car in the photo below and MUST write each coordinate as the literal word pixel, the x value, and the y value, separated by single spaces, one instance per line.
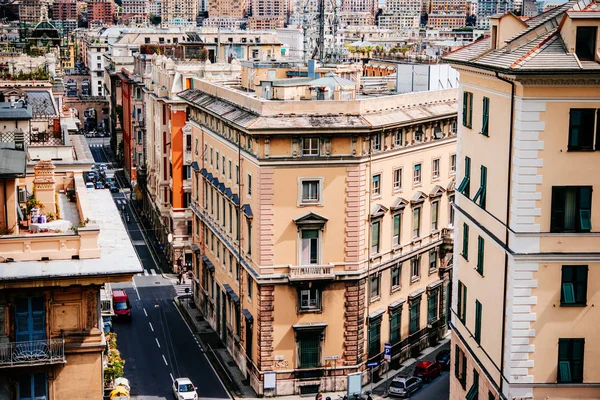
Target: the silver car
pixel 404 386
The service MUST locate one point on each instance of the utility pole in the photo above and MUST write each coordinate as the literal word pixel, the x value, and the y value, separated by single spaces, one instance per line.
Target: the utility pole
pixel 336 51
pixel 321 37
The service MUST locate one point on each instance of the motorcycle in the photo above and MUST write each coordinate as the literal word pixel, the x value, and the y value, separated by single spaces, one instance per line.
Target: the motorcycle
pixel 127 218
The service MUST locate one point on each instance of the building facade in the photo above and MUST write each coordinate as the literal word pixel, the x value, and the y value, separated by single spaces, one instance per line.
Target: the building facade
pixel 101 12
pixel 359 234
pixel 135 11
pixel 64 10
pixel 525 267
pixel 173 11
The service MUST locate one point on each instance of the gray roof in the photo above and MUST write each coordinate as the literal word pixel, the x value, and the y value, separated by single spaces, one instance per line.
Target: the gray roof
pixel 14 113
pixel 332 80
pixel 538 47
pixel 41 101
pixel 12 163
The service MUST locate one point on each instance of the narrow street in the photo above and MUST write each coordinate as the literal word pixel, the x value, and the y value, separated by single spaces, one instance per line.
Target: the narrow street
pixel 157 345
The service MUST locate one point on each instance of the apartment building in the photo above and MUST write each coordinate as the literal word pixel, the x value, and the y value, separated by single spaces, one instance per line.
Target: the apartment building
pixel 269 14
pixel 178 11
pixel 489 8
pixel 446 20
pixel 95 63
pixel 101 12
pixel 234 9
pixel 64 10
pixel 360 6
pixel 525 279
pixel 336 207
pixel 51 342
pixel 135 11
pixel 30 11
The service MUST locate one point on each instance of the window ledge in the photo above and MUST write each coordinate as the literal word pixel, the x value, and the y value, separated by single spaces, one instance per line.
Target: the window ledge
pixel 397 190
pixel 572 305
pixel 433 271
pixel 376 196
pixel 374 299
pixel 414 279
pixel 307 204
pixel 309 311
pixel 395 289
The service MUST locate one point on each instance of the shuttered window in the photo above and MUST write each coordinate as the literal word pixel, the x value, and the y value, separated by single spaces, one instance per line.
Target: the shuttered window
pixel 480 195
pixel 480 254
pixel 395 318
pixel 415 316
pixel 310 349
pixel 570 360
pixel 473 393
pixel 465 242
pixel 465 184
pixel 574 285
pixel 571 209
pixel 478 315
pixel 467 117
pixel 374 337
pixel 486 117
pixel 462 302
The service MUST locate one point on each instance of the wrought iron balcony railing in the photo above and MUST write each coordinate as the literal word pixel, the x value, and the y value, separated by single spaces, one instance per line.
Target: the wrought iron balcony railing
pixel 37 352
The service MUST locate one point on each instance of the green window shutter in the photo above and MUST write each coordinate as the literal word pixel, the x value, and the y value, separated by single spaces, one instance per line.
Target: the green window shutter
pixel 397 225
pixel 432 301
pixel 577 360
pixel 375 237
pixel 574 122
pixel 465 243
pixel 464 304
pixel 480 195
pixel 564 371
pixel 568 293
pixel 310 350
pixel 480 254
pixel 470 110
pixel 486 110
pixel 459 300
pixel 557 219
pixel 478 311
pixel 474 390
pixel 465 108
pixel 456 361
pixel 585 205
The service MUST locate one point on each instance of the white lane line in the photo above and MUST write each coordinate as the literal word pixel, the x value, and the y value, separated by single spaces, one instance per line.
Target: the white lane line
pixel 172 379
pixel 145 313
pixel 165 360
pixel 139 274
pixel 151 327
pixel 146 272
pixel 135 287
pixel 158 344
pixel 153 272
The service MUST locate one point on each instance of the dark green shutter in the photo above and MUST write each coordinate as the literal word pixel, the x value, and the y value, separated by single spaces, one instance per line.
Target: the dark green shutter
pixel 574 127
pixel 557 218
pixel 464 304
pixel 465 108
pixel 480 254
pixel 465 243
pixel 486 110
pixel 456 361
pixel 577 359
pixel 459 300
pixel 478 311
pixel 585 208
pixel 310 350
pixel 470 110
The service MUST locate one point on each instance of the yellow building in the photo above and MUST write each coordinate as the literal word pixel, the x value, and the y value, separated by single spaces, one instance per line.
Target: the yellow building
pixel 526 253
pixel 321 227
pixel 51 341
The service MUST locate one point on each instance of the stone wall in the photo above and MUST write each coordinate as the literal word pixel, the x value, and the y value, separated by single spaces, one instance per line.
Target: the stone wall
pixel 264 321
pixel 354 317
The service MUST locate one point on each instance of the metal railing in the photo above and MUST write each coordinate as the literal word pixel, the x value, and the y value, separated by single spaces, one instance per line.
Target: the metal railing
pixel 50 351
pixel 311 272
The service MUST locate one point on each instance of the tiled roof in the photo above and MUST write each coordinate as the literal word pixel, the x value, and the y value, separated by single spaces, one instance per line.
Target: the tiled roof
pixel 538 47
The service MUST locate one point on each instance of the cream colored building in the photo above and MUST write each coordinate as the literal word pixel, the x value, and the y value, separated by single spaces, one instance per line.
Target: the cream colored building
pixel 173 11
pixel 524 324
pixel 321 227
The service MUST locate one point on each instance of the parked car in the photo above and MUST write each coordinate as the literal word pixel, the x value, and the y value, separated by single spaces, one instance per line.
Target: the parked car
pixel 443 358
pixel 183 389
pixel 99 185
pixel 428 370
pixel 89 185
pixel 107 322
pixel 113 188
pixel 404 386
pixel 121 304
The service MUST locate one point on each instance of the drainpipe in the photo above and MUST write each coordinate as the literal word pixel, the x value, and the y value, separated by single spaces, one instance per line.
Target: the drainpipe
pixel 5 205
pixel 370 233
pixel 507 232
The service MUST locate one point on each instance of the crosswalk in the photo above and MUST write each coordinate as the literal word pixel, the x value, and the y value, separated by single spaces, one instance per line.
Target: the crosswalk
pixel 152 272
pixel 96 145
pixel 180 289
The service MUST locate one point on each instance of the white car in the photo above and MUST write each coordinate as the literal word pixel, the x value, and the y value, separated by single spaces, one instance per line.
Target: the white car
pixel 184 389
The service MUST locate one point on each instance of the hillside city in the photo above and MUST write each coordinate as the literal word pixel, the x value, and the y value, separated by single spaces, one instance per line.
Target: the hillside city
pixel 238 199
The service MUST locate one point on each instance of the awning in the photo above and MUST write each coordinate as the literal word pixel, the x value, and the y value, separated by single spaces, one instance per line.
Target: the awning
pixel 247 315
pixel 215 182
pixel 231 293
pixel 203 171
pixel 210 266
pixel 195 248
pixel 235 199
pixel 221 187
pixel 209 177
pixel 228 193
pixel 195 166
pixel 247 210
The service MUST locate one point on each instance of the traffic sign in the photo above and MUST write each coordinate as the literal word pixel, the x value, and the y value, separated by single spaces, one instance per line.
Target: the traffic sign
pixel 387 352
pixel 331 358
pixel 372 364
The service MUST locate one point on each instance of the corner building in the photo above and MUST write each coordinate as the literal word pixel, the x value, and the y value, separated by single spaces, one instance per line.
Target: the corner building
pixel 321 229
pixel 526 266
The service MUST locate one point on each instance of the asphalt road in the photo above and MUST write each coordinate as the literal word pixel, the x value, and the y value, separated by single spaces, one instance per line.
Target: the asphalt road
pixel 438 389
pixel 157 345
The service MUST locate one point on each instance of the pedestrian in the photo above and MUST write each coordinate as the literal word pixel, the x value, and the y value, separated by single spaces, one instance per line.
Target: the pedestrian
pixel 180 276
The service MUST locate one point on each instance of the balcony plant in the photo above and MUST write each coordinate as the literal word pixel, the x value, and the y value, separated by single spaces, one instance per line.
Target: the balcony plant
pixel 115 364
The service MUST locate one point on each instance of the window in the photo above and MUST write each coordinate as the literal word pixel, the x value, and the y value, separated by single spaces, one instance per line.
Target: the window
pixel 397 179
pixel 309 349
pixel 30 319
pixel 396 220
pixel 465 242
pixel 432 260
pixel 417 174
pixel 585 43
pixel 229 169
pixel 311 191
pixel 310 147
pixel 237 174
pixel 435 173
pixel 480 254
pixel 217 161
pixel 473 393
pixel 480 195
pixel 415 316
pixel 238 271
pixel 398 139
pixel 376 185
pixel 452 163
pixel 467 117
pixel 223 164
pixel 574 285
pixel 491 395
pixel 309 299
pixel 211 156
pixel 432 305
pixel 451 209
pixel 486 117
pixel 395 274
pixel 250 285
pixel 416 222
pixel 570 360
pixel 460 366
pixel 478 314
pixel 374 337
pixel 230 260
pixel 419 135
pixel 435 205
pixel 465 186
pixel 571 209
pixel 395 325
pixel 581 129
pixel 461 304
pixel 310 247
pixel 453 127
pixel 249 191
pixel 33 386
pixel 377 142
pixel 230 218
pixel 374 286
pixel 249 227
pixel 415 268
pixel 375 230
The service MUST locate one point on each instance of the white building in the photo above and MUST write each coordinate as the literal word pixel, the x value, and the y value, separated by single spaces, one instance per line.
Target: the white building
pixel 95 60
pixel 154 8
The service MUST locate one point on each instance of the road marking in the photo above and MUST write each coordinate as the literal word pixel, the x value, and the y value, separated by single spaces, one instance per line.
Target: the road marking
pixel 172 379
pixel 145 312
pixel 151 327
pixel 165 360
pixel 146 272
pixel 139 274
pixel 135 287
pixel 158 344
pixel 153 272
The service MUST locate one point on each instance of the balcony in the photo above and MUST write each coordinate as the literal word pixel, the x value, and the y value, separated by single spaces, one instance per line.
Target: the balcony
pixel 310 272
pixel 37 352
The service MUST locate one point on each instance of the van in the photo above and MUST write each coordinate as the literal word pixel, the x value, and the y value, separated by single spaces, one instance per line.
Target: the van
pixel 121 304
pixel 89 185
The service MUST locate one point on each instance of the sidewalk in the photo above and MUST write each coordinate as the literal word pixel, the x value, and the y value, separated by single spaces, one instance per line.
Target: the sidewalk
pixel 226 366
